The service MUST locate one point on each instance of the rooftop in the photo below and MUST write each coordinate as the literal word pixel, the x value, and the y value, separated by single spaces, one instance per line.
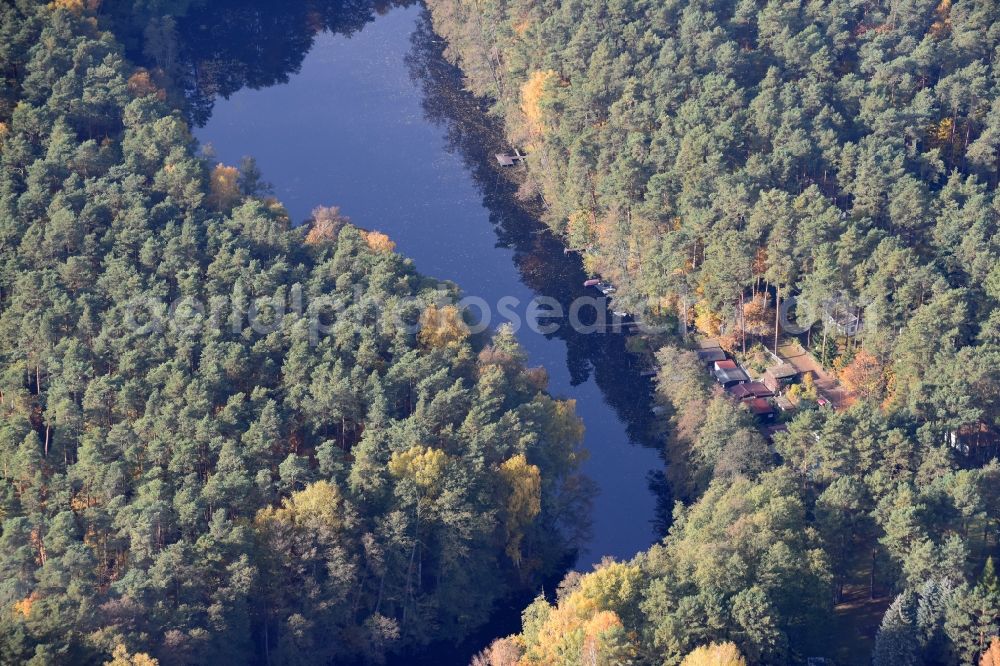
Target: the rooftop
pixel 727 372
pixel 783 371
pixel 749 390
pixel 711 355
pixel 740 391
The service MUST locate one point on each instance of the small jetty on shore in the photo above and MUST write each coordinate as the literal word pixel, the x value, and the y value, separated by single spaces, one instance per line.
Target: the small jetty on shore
pixel 509 160
pixel 605 288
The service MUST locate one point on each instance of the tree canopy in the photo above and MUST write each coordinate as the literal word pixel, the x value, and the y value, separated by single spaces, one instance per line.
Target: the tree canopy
pixel 714 158
pixel 222 439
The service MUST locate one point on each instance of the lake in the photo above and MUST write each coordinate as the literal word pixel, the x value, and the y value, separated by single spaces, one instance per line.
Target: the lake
pixel 375 122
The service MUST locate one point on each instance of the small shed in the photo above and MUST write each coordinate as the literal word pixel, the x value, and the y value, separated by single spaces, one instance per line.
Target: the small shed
pixel 780 376
pixel 728 373
pixel 710 356
pixel 762 409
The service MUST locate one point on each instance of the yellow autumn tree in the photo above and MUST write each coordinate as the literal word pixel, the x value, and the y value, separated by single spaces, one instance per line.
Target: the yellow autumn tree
pixel 706 321
pixel 865 376
pixel 942 24
pixel 942 132
pixel 614 586
pixel 224 187
pixel 326 223
pixel 532 95
pixel 423 465
pixel 121 657
pixel 805 390
pixel 599 638
pixel 568 638
pixel 586 625
pixel 758 316
pixel 319 504
pixel 716 654
pixel 711 324
pixel 442 327
pixel 74 6
pixel 501 652
pixel 23 607
pixel 524 501
pixel 379 242
pixel 140 85
pixel 578 231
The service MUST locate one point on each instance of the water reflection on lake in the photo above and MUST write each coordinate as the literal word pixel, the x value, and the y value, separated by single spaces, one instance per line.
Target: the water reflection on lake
pixel 375 122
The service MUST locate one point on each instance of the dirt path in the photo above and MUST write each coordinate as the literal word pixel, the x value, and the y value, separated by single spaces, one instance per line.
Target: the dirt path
pixel 826 384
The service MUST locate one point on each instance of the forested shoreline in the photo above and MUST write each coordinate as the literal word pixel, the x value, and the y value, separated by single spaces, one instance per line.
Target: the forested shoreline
pixel 237 479
pixel 189 476
pixel 712 158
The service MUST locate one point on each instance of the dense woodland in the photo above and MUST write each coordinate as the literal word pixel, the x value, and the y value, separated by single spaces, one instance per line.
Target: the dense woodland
pixel 712 157
pixel 209 488
pixel 213 491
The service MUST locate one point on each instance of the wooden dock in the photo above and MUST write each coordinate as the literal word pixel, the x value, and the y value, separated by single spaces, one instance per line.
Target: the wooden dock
pixel 508 160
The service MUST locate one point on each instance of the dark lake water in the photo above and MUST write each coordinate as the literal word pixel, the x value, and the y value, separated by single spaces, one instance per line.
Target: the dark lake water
pixel 376 123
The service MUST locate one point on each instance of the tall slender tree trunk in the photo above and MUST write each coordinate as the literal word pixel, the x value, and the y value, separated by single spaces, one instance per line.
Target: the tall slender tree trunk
pixel 743 323
pixel 777 310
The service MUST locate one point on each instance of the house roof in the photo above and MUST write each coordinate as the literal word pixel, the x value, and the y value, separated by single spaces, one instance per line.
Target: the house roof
pixel 749 390
pixel 740 391
pixel 760 406
pixel 783 371
pixel 727 364
pixel 711 355
pixel 729 375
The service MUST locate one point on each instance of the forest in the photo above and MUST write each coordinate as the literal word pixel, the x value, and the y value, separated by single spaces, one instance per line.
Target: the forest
pixel 225 437
pixel 713 158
